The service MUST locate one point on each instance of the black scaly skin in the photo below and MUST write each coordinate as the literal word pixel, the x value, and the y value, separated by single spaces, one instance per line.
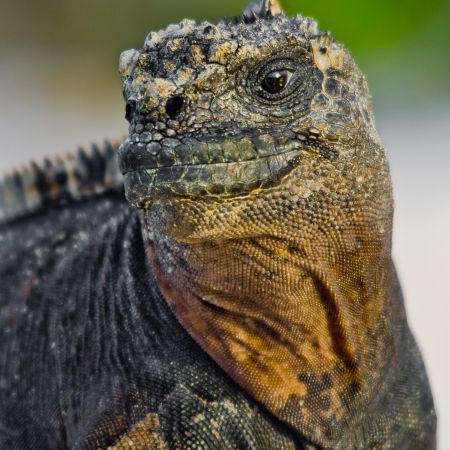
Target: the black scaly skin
pixel 86 337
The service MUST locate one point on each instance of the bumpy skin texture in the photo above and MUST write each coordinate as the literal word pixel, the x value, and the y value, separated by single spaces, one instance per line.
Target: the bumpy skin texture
pixel 252 302
pixel 92 357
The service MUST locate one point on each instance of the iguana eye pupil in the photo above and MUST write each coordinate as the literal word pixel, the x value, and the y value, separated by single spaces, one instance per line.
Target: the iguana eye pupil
pixel 276 81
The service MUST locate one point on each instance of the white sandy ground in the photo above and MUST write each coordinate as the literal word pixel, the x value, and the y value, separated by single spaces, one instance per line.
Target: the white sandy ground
pixel 35 123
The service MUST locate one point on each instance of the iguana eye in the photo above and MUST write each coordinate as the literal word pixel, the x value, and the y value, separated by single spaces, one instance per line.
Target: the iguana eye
pixel 280 83
pixel 274 82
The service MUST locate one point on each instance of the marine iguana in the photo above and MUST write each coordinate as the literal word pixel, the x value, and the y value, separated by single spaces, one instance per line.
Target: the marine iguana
pixel 249 301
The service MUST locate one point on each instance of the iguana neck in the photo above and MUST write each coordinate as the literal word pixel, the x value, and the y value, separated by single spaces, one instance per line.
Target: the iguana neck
pixel 302 324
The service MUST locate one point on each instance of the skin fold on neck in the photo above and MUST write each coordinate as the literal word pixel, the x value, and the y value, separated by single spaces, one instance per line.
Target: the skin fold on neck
pixel 296 310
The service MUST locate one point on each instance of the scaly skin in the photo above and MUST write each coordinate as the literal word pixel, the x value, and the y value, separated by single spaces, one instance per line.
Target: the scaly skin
pixel 269 221
pixel 250 301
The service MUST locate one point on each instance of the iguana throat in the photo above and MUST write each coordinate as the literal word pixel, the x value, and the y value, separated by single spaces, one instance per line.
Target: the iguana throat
pixel 292 300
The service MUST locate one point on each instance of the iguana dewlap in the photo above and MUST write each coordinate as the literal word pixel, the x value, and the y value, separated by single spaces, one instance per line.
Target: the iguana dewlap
pixel 249 301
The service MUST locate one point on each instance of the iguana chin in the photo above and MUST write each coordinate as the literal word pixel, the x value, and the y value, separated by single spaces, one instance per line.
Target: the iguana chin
pixel 266 208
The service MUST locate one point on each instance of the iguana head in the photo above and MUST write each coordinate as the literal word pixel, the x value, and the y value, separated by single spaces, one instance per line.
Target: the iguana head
pixel 231 109
pixel 266 193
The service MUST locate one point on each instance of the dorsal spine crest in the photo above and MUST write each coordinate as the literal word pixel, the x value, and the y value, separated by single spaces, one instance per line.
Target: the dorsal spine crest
pixel 58 181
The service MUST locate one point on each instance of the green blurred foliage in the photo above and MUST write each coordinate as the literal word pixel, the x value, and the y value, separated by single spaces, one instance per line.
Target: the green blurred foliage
pixel 91 24
pixel 368 24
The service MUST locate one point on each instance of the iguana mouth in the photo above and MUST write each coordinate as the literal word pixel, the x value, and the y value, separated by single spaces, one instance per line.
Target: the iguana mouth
pixel 206 151
pixel 209 166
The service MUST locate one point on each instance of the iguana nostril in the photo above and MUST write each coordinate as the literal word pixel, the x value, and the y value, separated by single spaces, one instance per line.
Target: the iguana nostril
pixel 174 106
pixel 130 108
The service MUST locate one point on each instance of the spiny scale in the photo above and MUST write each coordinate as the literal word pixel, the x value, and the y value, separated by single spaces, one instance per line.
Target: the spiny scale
pixel 267 8
pixel 59 180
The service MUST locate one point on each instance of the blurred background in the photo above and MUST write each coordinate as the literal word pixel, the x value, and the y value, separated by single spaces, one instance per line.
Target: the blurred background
pixel 59 88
